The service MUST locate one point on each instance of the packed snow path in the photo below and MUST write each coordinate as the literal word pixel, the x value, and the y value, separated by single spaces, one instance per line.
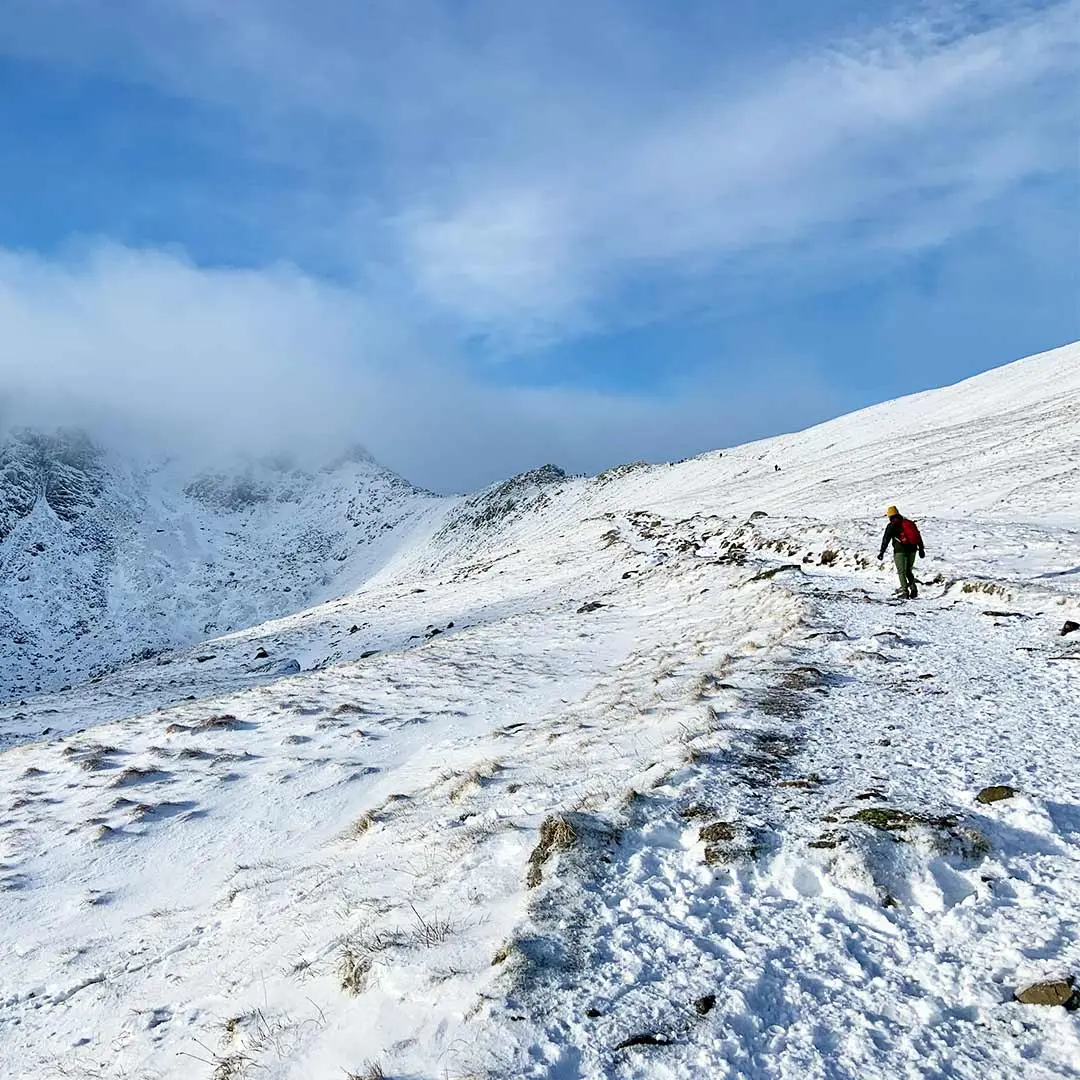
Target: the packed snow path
pixel 838 948
pixel 615 838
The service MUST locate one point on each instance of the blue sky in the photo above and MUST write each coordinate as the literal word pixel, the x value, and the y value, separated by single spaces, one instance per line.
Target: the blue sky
pixel 480 235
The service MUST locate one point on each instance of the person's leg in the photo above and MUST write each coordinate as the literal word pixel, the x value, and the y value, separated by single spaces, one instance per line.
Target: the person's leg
pixel 900 559
pixel 909 573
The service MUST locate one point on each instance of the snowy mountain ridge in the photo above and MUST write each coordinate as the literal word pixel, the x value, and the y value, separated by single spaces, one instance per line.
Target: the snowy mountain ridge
pixel 643 775
pixel 104 558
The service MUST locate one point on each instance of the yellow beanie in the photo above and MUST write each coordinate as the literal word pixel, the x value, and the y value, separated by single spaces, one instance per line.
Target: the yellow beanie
pixel 892 512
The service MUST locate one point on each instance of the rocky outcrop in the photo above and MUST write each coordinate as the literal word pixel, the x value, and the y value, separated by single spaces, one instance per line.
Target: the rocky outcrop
pixel 63 469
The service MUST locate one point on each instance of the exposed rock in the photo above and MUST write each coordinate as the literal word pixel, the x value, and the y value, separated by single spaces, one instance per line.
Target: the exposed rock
pixel 229 493
pixel 889 820
pixel 1069 627
pixel 262 654
pixel 592 605
pixel 758 514
pixel 286 667
pixel 646 1038
pixel 1050 992
pixel 995 793
pixel 497 504
pixel 765 575
pixel 63 469
pixel 727 843
pixel 718 830
pixel 704 1004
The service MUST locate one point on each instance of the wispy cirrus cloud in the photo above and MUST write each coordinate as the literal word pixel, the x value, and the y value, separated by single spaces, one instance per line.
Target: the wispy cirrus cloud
pixel 518 172
pixel 830 160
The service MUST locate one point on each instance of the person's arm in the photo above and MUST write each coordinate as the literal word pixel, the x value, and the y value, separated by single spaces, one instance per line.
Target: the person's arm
pixel 890 531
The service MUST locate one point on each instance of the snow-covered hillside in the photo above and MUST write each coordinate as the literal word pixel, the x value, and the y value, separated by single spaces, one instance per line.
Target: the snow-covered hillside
pixel 641 775
pixel 103 559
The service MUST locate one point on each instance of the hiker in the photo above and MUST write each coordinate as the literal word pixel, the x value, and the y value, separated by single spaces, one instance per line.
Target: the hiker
pixel 906 541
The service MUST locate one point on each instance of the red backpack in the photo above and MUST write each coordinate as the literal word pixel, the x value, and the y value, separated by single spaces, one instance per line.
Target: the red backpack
pixel 909 533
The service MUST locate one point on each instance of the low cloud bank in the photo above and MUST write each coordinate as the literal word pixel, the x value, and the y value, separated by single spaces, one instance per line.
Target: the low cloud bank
pixel 148 347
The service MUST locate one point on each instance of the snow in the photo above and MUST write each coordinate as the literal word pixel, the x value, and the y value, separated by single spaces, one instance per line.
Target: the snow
pixel 208 870
pixel 160 555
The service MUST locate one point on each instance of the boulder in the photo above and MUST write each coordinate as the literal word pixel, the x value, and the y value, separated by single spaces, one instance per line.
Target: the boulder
pixel 286 667
pixel 1069 627
pixel 995 793
pixel 1050 992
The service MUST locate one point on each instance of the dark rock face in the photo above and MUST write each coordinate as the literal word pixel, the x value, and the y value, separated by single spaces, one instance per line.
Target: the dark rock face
pixel 528 491
pixel 227 492
pixel 63 468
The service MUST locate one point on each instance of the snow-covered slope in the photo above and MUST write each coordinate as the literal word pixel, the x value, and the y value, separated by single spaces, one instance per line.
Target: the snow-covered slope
pixel 103 559
pixel 605 777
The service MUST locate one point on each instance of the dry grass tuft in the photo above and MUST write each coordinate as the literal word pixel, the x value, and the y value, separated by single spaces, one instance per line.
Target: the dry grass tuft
pixel 224 722
pixel 556 834
pixel 354 965
pixel 474 779
pixel 138 774
pixel 370 1070
pixel 433 931
pixel 361 825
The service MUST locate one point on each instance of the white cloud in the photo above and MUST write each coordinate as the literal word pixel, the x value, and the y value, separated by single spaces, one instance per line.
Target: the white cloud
pixel 228 354
pixel 145 345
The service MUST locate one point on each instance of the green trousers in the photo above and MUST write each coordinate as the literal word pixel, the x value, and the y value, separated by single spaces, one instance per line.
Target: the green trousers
pixel 905 567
